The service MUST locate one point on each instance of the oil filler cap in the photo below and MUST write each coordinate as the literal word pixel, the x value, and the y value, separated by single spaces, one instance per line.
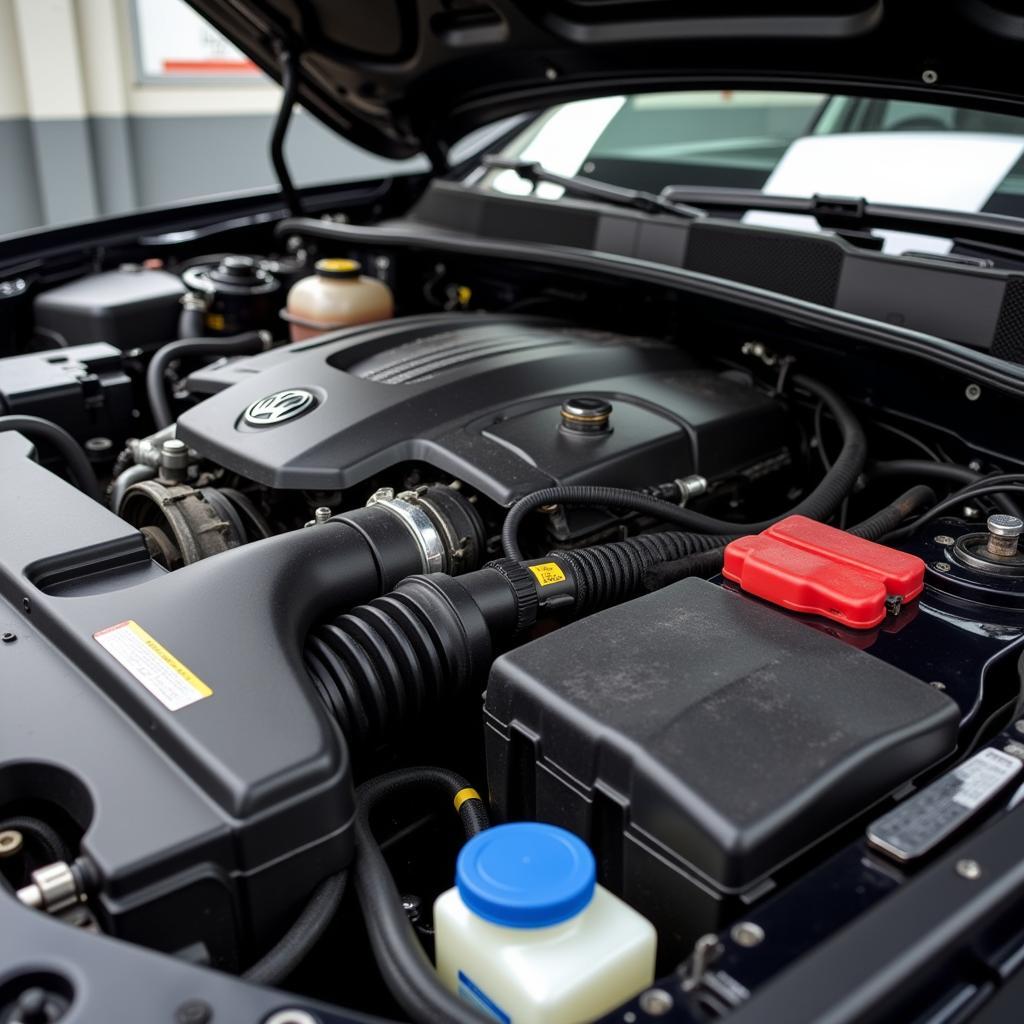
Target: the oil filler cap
pixel 809 567
pixel 525 875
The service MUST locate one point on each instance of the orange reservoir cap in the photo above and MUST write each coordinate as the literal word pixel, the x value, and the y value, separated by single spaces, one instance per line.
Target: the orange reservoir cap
pixel 806 566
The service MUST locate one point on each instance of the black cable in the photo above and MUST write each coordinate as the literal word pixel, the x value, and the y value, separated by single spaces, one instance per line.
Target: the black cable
pixel 405 967
pixel 247 343
pixel 708 563
pixel 950 471
pixel 37 429
pixel 289 93
pixel 819 504
pixel 296 943
pixel 960 498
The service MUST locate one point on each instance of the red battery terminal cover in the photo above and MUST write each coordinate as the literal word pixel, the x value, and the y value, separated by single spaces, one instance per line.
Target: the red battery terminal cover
pixel 809 567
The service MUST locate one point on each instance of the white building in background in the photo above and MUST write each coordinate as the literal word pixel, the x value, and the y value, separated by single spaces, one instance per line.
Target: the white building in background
pixel 108 106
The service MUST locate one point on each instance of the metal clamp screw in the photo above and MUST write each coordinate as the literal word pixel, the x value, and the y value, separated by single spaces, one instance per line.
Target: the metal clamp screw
pixel 747 934
pixel 942 566
pixel 11 841
pixel 969 869
pixel 656 1002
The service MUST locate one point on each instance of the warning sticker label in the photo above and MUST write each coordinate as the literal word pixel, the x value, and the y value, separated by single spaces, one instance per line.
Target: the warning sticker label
pixel 547 573
pixel 171 682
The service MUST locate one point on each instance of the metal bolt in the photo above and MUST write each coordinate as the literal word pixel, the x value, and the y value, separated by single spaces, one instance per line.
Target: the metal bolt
pixel 935 684
pixel 942 566
pixel 930 76
pixel 174 459
pixel 37 1006
pixel 656 1002
pixel 322 514
pixel 9 638
pixel 969 869
pixel 98 445
pixel 11 841
pixel 945 540
pixel 1004 535
pixel 747 934
pixel 293 1015
pixel 194 1011
pixel 550 73
pixel 972 392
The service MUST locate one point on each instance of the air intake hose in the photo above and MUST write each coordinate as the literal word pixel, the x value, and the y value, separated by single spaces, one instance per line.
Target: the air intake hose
pixel 381 665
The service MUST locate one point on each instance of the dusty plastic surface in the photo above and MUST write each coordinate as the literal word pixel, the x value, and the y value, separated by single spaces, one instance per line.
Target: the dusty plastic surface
pixel 697 740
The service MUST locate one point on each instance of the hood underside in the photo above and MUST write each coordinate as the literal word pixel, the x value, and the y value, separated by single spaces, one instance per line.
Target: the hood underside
pixel 399 77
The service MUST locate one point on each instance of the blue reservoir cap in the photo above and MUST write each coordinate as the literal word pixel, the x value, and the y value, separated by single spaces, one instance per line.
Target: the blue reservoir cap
pixel 525 875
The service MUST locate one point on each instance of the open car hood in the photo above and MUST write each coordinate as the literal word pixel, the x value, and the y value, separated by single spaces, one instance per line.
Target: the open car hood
pixel 400 77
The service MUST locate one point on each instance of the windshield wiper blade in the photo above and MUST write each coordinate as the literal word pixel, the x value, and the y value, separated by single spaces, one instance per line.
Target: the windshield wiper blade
pixel 849 214
pixel 587 188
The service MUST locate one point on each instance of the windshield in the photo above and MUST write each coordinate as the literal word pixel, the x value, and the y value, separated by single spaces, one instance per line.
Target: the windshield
pixel 795 144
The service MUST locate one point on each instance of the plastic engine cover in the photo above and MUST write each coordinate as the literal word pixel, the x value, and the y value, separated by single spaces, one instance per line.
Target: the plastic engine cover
pixel 698 740
pixel 479 397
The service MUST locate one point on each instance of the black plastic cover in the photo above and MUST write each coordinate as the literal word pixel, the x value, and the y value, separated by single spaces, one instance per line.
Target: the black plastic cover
pixel 130 308
pixel 697 733
pixel 210 823
pixel 83 389
pixel 479 397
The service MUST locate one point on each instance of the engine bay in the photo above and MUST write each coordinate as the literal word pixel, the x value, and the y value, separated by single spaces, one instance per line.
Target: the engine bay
pixel 285 573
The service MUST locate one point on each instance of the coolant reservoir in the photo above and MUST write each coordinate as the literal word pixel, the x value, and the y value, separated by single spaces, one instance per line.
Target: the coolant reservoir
pixel 526 936
pixel 337 295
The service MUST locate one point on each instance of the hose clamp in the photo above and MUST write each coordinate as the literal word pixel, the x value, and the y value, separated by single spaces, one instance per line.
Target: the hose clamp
pixel 428 539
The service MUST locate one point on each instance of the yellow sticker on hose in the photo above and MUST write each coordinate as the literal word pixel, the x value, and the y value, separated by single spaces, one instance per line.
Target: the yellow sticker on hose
pixel 547 573
pixel 172 683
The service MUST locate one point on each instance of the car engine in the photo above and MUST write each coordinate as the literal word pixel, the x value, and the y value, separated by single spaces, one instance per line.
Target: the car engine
pixel 688 594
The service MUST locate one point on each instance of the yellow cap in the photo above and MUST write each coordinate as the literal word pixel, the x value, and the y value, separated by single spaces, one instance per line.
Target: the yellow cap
pixel 338 268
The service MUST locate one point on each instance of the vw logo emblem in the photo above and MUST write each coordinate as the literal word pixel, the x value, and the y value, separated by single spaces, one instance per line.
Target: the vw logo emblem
pixel 279 407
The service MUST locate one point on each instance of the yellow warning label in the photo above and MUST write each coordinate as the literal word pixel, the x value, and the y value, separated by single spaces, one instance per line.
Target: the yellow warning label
pixel 547 573
pixel 172 683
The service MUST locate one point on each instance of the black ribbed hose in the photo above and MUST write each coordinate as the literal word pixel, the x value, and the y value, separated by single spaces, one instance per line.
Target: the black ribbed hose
pixel 609 573
pixel 819 504
pixel 383 664
pixel 247 343
pixel 406 968
pixel 37 429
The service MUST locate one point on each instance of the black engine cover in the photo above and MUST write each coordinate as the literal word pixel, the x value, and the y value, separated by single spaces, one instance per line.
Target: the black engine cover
pixel 478 397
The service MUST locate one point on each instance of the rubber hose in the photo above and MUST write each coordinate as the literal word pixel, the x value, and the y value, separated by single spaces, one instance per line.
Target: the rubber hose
pixel 383 664
pixel 819 504
pixel 132 475
pixel 45 837
pixel 309 927
pixel 917 499
pixel 246 343
pixel 708 563
pixel 405 967
pixel 609 573
pixel 37 429
pixel 950 471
